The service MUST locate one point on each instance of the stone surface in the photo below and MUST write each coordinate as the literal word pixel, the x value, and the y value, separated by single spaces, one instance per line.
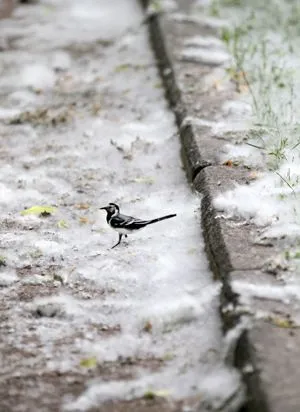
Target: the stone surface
pixel 237 237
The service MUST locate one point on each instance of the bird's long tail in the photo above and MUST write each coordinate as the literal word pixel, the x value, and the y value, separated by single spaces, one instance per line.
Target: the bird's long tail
pixel 160 218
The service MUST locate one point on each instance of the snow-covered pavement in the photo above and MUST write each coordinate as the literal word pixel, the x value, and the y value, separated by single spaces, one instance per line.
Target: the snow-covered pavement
pixel 83 123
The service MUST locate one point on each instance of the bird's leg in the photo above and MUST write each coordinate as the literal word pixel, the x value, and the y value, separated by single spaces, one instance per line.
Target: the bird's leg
pixel 120 238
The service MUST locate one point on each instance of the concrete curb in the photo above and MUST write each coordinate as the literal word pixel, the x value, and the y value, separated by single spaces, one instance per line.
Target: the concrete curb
pixel 198 170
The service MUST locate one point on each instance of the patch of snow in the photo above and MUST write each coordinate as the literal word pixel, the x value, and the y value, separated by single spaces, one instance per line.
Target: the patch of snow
pixel 200 20
pixel 228 387
pixel 218 128
pixel 38 76
pixel 205 42
pixel 268 200
pixel 237 108
pixel 99 393
pixel 8 277
pixel 21 99
pixel 6 113
pixel 61 61
pixel 280 230
pixel 247 155
pixel 283 293
pixel 204 56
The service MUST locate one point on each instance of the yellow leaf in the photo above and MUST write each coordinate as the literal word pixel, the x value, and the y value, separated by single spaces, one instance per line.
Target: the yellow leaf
pixel 160 393
pixel 2 261
pixel 62 224
pixel 282 322
pixel 39 210
pixel 122 67
pixel 168 356
pixel 144 179
pixel 89 362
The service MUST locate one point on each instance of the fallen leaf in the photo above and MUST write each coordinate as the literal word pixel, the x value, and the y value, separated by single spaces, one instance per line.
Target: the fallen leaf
pixel 83 220
pixel 253 175
pixel 147 327
pixel 282 322
pixel 121 67
pixel 160 393
pixel 145 179
pixel 62 224
pixel 89 363
pixel 228 163
pixel 217 84
pixel 82 206
pixel 168 356
pixel 2 261
pixel 58 278
pixel 231 163
pixel 39 210
pixel 96 107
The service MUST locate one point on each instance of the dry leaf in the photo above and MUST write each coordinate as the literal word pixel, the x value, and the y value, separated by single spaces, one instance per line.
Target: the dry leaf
pixel 147 327
pixel 82 206
pixel 83 220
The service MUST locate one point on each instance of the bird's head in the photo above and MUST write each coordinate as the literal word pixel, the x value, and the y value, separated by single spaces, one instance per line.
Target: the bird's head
pixel 111 209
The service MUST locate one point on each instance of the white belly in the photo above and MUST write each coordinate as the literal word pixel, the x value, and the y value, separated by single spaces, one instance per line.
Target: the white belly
pixel 125 231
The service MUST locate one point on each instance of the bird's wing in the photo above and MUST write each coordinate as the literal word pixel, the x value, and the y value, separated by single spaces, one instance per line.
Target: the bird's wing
pixel 127 222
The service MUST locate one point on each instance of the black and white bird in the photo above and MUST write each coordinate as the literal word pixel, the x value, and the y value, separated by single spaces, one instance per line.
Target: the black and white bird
pixel 125 225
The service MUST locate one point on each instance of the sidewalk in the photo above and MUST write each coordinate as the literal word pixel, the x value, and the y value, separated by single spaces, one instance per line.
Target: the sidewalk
pixel 256 304
pixel 84 122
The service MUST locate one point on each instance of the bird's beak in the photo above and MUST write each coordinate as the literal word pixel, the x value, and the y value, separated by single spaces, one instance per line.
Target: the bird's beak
pixel 103 207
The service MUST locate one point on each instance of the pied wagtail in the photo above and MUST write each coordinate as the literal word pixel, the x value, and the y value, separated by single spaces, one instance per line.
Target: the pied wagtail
pixel 125 225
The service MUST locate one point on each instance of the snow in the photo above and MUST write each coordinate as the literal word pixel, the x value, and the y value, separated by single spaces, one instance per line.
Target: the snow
pixel 266 201
pixel 117 141
pixel 242 153
pixel 8 276
pixel 283 293
pixel 271 124
pixel 205 42
pixel 218 128
pixel 210 57
pixel 201 20
pixel 205 50
pixel 38 77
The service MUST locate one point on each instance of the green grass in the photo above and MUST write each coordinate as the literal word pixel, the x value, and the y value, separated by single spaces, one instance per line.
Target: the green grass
pixel 261 38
